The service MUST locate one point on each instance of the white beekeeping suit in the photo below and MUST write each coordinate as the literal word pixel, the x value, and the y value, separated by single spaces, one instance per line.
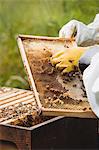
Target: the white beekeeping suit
pixel 82 33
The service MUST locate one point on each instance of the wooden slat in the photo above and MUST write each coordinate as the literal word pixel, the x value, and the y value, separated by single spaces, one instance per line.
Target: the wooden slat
pixel 14 97
pixel 68 113
pixel 14 92
pixel 18 101
pixel 3 94
pixel 8 97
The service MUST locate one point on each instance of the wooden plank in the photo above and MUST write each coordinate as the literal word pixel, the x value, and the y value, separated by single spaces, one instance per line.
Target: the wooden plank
pixel 8 93
pixel 9 97
pixel 67 113
pixel 27 99
pixel 14 96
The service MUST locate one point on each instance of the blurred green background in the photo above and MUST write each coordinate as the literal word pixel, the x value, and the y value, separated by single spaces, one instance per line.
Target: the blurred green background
pixel 35 17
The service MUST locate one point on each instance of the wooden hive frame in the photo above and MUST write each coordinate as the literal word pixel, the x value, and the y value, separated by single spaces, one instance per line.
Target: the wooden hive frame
pixel 48 111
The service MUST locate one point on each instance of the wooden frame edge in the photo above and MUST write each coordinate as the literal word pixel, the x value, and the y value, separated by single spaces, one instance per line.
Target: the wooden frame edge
pixel 62 112
pixel 28 71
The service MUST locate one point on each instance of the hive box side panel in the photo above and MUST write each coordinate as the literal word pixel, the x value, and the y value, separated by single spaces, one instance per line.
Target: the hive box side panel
pixel 21 137
pixel 67 133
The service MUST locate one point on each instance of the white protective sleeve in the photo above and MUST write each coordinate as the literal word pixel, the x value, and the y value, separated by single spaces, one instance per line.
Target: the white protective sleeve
pixel 91 82
pixel 80 31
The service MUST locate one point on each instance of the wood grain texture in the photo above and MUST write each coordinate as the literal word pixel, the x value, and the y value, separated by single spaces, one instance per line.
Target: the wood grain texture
pixel 21 137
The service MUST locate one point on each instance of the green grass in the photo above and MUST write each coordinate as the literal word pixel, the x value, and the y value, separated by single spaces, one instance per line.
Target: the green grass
pixel 36 17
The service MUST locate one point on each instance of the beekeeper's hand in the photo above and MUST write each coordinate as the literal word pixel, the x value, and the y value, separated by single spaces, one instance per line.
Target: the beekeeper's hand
pixel 91 82
pixel 80 31
pixel 65 60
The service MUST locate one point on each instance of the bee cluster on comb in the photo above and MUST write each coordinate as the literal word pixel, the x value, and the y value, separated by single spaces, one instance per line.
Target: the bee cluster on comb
pixel 58 90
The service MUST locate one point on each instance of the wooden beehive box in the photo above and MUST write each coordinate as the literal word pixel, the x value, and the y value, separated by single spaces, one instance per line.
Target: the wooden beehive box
pixel 30 130
pixel 22 119
pixel 19 117
pixel 35 53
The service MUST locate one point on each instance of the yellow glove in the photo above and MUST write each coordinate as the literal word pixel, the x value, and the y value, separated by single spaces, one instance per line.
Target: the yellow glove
pixel 65 60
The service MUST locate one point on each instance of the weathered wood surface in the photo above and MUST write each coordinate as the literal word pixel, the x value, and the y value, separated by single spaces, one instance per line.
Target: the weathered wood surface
pixel 21 137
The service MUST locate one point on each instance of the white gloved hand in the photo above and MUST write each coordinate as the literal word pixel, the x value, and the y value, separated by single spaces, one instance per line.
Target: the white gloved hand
pixel 91 82
pixel 80 31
